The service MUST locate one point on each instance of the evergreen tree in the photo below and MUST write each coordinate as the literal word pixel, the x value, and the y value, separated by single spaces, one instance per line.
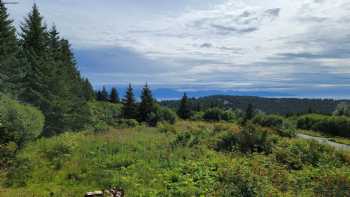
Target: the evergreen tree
pixel 104 95
pixel 114 97
pixel 88 90
pixel 34 40
pixel 184 110
pixel 249 114
pixel 9 64
pixel 98 95
pixel 129 109
pixel 147 106
pixel 52 81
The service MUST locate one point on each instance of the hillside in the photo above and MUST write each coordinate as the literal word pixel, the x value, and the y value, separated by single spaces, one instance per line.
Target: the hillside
pixel 268 105
pixel 188 159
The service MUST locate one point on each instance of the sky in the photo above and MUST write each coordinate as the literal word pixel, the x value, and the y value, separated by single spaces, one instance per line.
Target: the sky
pixel 296 47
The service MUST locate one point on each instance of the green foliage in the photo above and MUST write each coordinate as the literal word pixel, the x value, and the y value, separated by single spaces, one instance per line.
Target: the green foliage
pixel 217 114
pixel 105 112
pixel 114 97
pixel 287 130
pixel 9 50
pixel 180 161
pixel 343 109
pixel 283 106
pixel 273 121
pixel 250 139
pixel 126 123
pixel 19 123
pixel 297 154
pixel 167 128
pixel 184 110
pixel 129 109
pixel 334 125
pixel 7 154
pixel 19 173
pixel 237 183
pixel 166 115
pixel 103 95
pixel 147 108
pixel 249 113
pixel 332 185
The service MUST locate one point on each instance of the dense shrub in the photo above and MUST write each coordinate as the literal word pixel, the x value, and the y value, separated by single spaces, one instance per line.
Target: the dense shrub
pixel 274 121
pixel 185 139
pixel 287 130
pixel 248 140
pixel 196 116
pixel 126 123
pixel 308 121
pixel 166 128
pixel 343 109
pixel 217 114
pixel 291 159
pixel 7 154
pixel 19 173
pixel 238 183
pixel 334 125
pixel 332 185
pixel 105 112
pixel 19 123
pixel 299 153
pixel 166 115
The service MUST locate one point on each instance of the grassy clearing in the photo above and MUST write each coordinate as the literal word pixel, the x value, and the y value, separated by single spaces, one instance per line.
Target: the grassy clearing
pixel 178 160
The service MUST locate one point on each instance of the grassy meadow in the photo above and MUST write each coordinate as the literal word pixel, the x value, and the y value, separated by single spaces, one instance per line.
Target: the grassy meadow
pixel 185 159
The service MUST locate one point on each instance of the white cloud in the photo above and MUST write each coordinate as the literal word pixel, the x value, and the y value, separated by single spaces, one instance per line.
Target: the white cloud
pixel 270 43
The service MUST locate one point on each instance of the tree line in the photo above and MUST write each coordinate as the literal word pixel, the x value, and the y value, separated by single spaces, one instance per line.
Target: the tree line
pixel 38 67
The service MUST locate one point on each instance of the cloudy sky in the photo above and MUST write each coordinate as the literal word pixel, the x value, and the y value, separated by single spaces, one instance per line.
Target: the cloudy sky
pixel 300 47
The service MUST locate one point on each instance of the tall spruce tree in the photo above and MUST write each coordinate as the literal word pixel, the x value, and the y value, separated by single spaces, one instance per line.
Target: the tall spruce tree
pixel 114 97
pixel 9 64
pixel 104 94
pixel 147 106
pixel 34 41
pixel 52 81
pixel 184 110
pixel 129 108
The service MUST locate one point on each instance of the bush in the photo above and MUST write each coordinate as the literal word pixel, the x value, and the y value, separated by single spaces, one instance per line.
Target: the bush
pixel 333 185
pixel 238 183
pixel 197 116
pixel 166 115
pixel 100 127
pixel 287 130
pixel 291 159
pixel 19 173
pixel 343 109
pixel 308 121
pixel 273 121
pixel 19 123
pixel 126 123
pixel 299 153
pixel 167 128
pixel 217 114
pixel 334 125
pixel 248 140
pixel 7 154
pixel 105 112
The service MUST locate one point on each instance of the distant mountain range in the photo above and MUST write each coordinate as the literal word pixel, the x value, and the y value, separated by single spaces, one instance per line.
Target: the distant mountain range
pixel 174 94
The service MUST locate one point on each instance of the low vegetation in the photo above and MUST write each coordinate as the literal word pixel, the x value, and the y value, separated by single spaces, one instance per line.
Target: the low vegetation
pixel 333 125
pixel 188 159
